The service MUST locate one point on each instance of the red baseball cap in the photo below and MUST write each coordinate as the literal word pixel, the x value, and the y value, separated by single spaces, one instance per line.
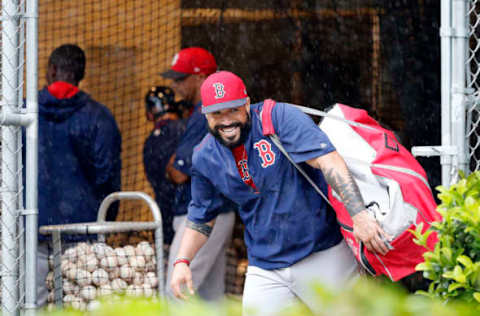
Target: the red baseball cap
pixel 191 61
pixel 222 90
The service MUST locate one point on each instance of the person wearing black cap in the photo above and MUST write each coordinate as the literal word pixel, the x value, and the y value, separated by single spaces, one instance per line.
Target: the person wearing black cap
pixel 162 110
pixel 190 68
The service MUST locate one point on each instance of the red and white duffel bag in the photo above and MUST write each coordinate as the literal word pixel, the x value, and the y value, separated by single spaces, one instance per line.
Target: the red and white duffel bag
pixel 390 179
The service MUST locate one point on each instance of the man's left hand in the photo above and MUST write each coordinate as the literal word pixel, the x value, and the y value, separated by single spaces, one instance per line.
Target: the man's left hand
pixel 367 230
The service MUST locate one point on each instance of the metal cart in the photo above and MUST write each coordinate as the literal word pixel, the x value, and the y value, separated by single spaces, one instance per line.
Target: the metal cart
pixel 102 227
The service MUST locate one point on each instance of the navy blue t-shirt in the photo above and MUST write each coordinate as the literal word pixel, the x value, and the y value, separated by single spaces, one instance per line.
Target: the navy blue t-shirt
pixel 285 219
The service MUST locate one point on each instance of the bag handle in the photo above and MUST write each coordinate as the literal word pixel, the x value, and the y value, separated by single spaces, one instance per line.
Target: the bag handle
pixel 269 130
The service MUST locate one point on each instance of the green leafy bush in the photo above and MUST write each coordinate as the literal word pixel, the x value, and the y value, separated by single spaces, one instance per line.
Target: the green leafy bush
pixel 364 298
pixel 453 265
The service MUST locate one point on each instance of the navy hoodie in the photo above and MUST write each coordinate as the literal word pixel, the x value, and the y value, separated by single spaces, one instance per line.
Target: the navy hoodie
pixel 79 162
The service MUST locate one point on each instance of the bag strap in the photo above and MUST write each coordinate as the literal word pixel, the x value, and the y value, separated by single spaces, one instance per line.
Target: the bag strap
pixel 267 124
pixel 269 130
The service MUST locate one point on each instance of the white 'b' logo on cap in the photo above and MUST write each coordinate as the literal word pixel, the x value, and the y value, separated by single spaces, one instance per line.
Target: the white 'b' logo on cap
pixel 219 90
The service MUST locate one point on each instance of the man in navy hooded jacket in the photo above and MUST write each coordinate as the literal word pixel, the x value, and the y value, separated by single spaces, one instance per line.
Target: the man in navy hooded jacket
pixel 79 152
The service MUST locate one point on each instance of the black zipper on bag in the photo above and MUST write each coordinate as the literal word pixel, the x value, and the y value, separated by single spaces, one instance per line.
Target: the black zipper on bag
pixel 346 227
pixel 365 262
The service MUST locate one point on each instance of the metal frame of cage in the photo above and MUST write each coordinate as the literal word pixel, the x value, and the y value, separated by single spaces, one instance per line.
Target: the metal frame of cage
pixel 19 48
pixel 460 47
pixel 102 227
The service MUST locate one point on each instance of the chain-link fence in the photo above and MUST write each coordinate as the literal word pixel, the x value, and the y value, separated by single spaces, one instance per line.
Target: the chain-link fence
pixel 473 83
pixel 12 252
pixel 313 52
pixel 18 144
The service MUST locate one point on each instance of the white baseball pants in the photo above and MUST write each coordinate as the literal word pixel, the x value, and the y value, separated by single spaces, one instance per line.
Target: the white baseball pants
pixel 268 292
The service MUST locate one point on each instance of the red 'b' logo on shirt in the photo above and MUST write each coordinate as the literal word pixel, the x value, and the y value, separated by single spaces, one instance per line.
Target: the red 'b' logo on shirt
pixel 265 152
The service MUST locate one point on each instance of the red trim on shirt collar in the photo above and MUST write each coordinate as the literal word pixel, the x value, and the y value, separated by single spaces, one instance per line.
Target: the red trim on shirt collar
pixel 62 90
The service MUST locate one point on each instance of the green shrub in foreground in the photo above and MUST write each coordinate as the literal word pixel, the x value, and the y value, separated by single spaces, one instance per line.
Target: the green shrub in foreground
pixel 365 298
pixel 453 265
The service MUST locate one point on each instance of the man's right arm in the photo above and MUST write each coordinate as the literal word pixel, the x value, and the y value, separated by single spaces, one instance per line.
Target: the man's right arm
pixel 194 237
pixel 179 167
pixel 202 212
pixel 175 175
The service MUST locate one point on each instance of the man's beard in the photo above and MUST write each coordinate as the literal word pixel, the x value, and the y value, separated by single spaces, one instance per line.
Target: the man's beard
pixel 244 130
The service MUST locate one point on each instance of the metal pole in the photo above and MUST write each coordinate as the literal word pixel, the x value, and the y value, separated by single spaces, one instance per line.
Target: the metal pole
pixel 458 92
pixel 446 69
pixel 21 224
pixel 9 163
pixel 31 189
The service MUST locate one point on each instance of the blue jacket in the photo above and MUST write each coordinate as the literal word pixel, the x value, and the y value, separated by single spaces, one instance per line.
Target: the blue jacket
pixel 79 162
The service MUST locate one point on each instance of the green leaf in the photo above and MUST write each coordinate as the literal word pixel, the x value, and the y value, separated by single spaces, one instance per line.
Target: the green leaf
pixel 424 266
pixel 423 293
pixel 462 186
pixel 466 261
pixel 458 274
pixel 476 296
pixel 447 254
pixel 454 286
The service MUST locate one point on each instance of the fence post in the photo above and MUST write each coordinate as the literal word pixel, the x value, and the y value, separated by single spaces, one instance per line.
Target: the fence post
pixel 446 79
pixel 31 161
pixel 10 207
pixel 458 90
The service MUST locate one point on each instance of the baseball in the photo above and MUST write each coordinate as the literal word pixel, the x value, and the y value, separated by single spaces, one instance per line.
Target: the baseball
pixel 99 250
pixel 93 305
pixel 88 292
pixel 118 285
pixel 109 262
pixel 49 280
pixel 70 254
pixel 121 256
pixel 83 277
pixel 151 279
pixel 69 287
pixel 114 273
pixel 137 278
pixel 100 277
pixel 137 262
pixel 105 289
pixel 71 273
pixel 68 298
pixel 134 290
pixel 129 251
pixel 90 263
pixel 126 272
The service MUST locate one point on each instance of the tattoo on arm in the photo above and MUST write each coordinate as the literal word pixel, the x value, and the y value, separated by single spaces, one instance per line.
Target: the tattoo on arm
pixel 201 228
pixel 347 188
